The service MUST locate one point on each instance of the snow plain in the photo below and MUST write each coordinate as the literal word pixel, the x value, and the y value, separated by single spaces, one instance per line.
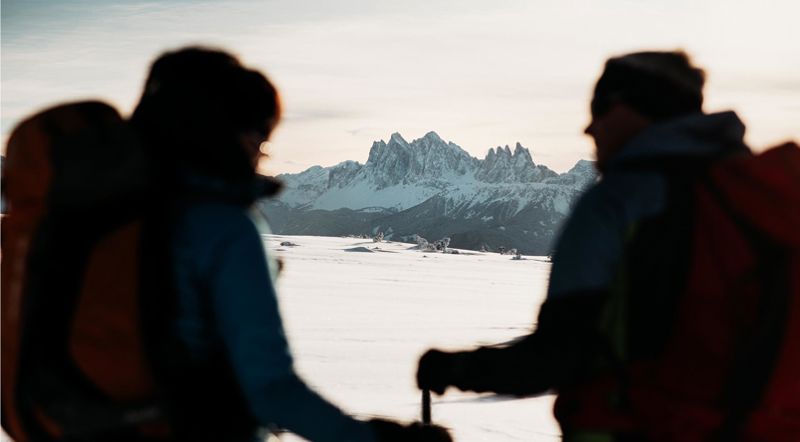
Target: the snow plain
pixel 357 322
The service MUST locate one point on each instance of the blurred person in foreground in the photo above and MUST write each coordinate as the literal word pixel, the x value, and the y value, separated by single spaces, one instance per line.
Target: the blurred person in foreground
pixel 652 328
pixel 230 371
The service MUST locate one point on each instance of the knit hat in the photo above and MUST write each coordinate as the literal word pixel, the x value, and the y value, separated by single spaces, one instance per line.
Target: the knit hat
pixel 659 85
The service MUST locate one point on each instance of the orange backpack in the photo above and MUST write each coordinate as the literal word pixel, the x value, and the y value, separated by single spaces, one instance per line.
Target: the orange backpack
pixel 74 346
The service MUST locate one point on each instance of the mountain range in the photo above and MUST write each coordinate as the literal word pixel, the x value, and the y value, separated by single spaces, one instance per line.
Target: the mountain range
pixel 435 189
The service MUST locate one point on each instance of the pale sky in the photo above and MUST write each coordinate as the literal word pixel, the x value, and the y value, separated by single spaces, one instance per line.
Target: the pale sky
pixel 479 73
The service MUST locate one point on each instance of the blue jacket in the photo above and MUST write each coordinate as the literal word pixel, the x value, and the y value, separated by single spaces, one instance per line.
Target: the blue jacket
pixel 589 248
pixel 227 300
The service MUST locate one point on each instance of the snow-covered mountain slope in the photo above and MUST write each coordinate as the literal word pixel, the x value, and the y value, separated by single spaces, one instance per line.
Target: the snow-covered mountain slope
pixel 430 185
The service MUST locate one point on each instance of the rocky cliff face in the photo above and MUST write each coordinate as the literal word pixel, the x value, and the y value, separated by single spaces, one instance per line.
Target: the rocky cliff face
pixel 430 186
pixel 503 166
pixel 399 162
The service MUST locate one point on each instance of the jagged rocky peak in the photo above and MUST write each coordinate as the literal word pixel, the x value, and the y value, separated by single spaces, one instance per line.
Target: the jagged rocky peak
pixel 434 158
pixel 377 149
pixel 503 165
pixel 585 172
pixel 396 138
pixel 431 140
pixel 433 137
pixel 426 158
pixel 503 152
pixel 522 154
pixel 380 149
pixel 583 166
pixel 506 152
pixel 582 174
pixel 342 173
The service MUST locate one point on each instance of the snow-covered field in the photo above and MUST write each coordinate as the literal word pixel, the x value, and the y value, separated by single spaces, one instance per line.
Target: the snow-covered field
pixel 359 314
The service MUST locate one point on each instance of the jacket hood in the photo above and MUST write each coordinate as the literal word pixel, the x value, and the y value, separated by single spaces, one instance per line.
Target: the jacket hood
pixel 765 191
pixel 699 135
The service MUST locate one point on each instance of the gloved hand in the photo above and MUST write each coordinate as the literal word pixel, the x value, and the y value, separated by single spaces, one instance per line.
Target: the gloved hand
pixel 391 431
pixel 437 370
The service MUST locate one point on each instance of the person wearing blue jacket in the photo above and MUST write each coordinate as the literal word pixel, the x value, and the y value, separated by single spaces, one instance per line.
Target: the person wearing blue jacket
pixel 229 367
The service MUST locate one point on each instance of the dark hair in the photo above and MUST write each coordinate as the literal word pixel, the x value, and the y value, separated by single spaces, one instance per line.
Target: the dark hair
pixel 195 104
pixel 659 85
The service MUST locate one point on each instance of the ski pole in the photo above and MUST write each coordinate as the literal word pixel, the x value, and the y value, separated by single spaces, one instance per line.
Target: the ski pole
pixel 426 407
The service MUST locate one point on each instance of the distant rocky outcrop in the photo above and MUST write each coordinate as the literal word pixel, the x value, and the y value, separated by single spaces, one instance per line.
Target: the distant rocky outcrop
pixel 435 189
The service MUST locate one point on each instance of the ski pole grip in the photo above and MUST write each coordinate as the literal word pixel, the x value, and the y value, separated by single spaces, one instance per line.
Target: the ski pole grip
pixel 426 407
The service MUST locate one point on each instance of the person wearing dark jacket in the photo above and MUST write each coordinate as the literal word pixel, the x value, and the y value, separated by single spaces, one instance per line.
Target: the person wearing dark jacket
pixel 204 116
pixel 646 110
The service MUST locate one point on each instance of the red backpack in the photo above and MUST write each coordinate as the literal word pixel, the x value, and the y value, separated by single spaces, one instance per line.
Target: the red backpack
pixel 74 352
pixel 703 324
